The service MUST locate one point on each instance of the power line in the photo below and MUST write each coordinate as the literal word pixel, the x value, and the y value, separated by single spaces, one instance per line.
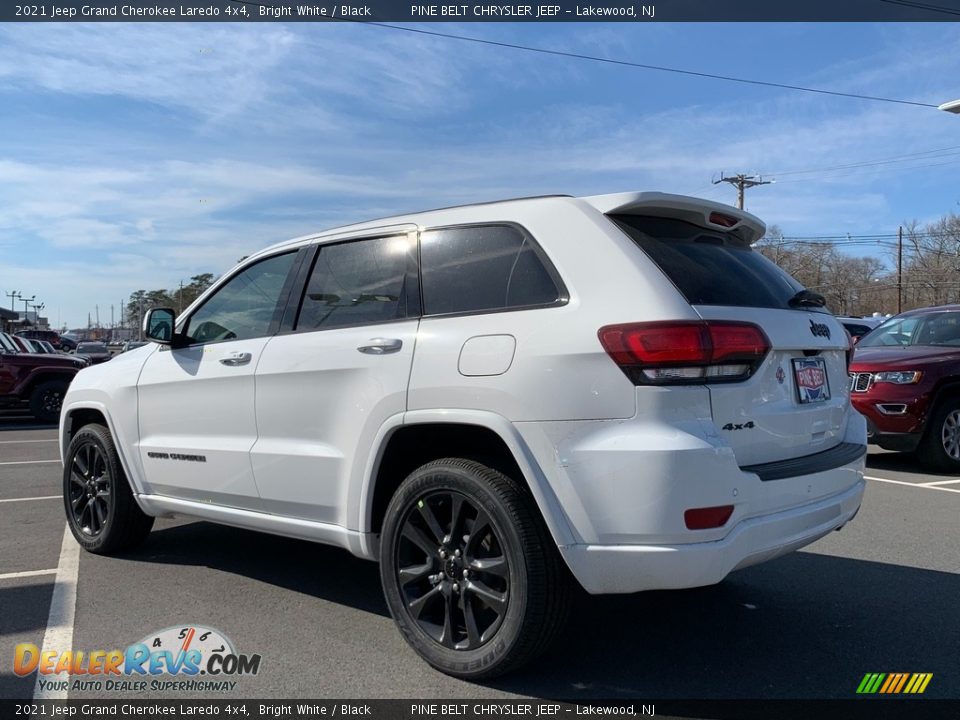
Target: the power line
pixel 622 63
pixel 645 66
pixel 848 174
pixel 923 6
pixel 924 155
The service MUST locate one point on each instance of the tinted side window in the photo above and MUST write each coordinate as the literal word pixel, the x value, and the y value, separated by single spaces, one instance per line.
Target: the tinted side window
pixel 360 282
pixel 244 306
pixel 492 267
pixel 710 267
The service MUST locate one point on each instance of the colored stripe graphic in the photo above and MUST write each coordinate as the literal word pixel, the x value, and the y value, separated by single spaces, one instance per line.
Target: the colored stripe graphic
pixel 894 683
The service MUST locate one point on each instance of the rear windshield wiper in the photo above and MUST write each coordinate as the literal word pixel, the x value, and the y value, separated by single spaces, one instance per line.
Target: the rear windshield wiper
pixel 807 298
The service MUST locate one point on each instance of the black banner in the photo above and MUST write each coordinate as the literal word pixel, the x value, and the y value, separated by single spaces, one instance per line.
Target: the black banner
pixel 874 708
pixel 453 11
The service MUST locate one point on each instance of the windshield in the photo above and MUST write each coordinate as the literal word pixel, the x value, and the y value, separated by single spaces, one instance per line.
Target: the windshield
pixel 936 329
pixel 91 348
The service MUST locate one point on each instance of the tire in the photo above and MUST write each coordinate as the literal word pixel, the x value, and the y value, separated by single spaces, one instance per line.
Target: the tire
pixel 940 447
pixel 515 597
pixel 101 510
pixel 47 399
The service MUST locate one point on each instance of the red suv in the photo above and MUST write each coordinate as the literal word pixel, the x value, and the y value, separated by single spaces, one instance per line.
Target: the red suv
pixel 905 378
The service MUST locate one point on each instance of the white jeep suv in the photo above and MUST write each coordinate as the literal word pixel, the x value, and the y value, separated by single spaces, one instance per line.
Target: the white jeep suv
pixel 488 400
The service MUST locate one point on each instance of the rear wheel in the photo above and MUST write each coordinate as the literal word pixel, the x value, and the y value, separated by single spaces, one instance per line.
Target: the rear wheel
pixel 47 399
pixel 101 510
pixel 940 447
pixel 470 574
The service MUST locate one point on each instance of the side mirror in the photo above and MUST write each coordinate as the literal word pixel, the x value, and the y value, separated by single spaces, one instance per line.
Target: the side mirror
pixel 158 325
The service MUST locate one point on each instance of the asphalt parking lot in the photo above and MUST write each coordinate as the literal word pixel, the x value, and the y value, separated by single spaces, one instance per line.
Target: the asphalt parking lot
pixel 880 596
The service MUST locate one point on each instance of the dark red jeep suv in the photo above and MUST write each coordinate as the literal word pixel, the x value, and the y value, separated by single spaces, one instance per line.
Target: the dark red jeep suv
pixel 905 378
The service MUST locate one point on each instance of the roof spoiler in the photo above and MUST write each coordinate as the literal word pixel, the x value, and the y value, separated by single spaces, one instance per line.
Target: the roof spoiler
pixel 702 213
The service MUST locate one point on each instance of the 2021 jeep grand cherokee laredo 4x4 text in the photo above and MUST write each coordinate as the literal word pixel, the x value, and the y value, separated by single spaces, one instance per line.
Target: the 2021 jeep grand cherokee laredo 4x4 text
pixel 488 399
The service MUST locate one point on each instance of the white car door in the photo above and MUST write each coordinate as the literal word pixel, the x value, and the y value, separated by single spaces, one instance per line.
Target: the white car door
pixel 327 384
pixel 196 398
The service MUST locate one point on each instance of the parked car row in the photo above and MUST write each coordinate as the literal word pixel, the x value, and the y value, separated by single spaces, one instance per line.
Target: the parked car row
pixel 37 380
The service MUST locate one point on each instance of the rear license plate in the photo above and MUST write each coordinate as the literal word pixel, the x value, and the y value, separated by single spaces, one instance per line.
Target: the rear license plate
pixel 811 375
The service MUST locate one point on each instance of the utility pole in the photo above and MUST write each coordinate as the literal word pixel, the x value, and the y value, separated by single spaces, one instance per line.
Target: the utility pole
pixel 26 301
pixel 900 270
pixel 742 182
pixel 13 296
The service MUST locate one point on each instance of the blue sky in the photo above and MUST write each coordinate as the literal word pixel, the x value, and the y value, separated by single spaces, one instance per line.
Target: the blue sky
pixel 136 155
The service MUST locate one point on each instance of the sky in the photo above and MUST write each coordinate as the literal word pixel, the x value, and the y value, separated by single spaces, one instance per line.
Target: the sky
pixel 134 156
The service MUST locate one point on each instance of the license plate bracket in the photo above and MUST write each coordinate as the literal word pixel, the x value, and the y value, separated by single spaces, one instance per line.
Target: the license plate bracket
pixel 810 375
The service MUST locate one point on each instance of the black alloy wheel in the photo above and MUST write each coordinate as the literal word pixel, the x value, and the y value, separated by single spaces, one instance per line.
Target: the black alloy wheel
pixel 470 573
pixel 47 399
pixel 102 512
pixel 89 491
pixel 452 570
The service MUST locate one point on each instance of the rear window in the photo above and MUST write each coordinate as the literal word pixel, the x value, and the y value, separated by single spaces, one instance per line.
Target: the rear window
pixel 708 267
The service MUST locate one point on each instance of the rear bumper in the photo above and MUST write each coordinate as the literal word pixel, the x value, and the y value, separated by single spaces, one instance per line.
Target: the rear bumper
pixel 633 568
pixel 624 488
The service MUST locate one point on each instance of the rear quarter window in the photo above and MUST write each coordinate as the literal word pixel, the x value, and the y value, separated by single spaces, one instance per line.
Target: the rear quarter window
pixel 484 268
pixel 709 267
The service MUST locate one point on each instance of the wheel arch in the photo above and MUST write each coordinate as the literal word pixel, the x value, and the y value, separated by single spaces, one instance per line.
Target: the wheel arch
pixel 423 436
pixel 88 412
pixel 38 377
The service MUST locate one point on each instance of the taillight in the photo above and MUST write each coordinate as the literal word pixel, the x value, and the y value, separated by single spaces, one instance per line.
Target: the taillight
pixel 697 351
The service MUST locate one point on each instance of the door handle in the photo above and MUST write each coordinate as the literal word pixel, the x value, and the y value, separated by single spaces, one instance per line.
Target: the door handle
pixel 236 358
pixel 381 346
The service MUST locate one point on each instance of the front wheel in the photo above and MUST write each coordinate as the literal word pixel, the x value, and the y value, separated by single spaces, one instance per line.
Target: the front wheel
pixel 47 399
pixel 470 574
pixel 940 447
pixel 101 510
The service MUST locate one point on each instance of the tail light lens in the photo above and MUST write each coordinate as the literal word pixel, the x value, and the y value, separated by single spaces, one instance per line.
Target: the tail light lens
pixel 684 352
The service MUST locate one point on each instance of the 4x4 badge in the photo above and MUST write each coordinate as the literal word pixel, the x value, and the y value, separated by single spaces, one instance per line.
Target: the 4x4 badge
pixel 780 374
pixel 819 329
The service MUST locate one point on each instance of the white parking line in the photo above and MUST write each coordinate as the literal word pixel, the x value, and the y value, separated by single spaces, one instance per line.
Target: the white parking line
pixel 913 485
pixel 63 607
pixel 29 462
pixel 15 442
pixel 26 573
pixel 941 482
pixel 41 497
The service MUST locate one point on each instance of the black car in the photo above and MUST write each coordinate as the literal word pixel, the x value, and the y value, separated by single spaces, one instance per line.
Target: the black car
pixel 68 343
pixel 95 352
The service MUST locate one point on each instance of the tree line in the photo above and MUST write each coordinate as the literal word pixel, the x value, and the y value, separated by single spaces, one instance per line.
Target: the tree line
pixel 864 284
pixel 178 298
